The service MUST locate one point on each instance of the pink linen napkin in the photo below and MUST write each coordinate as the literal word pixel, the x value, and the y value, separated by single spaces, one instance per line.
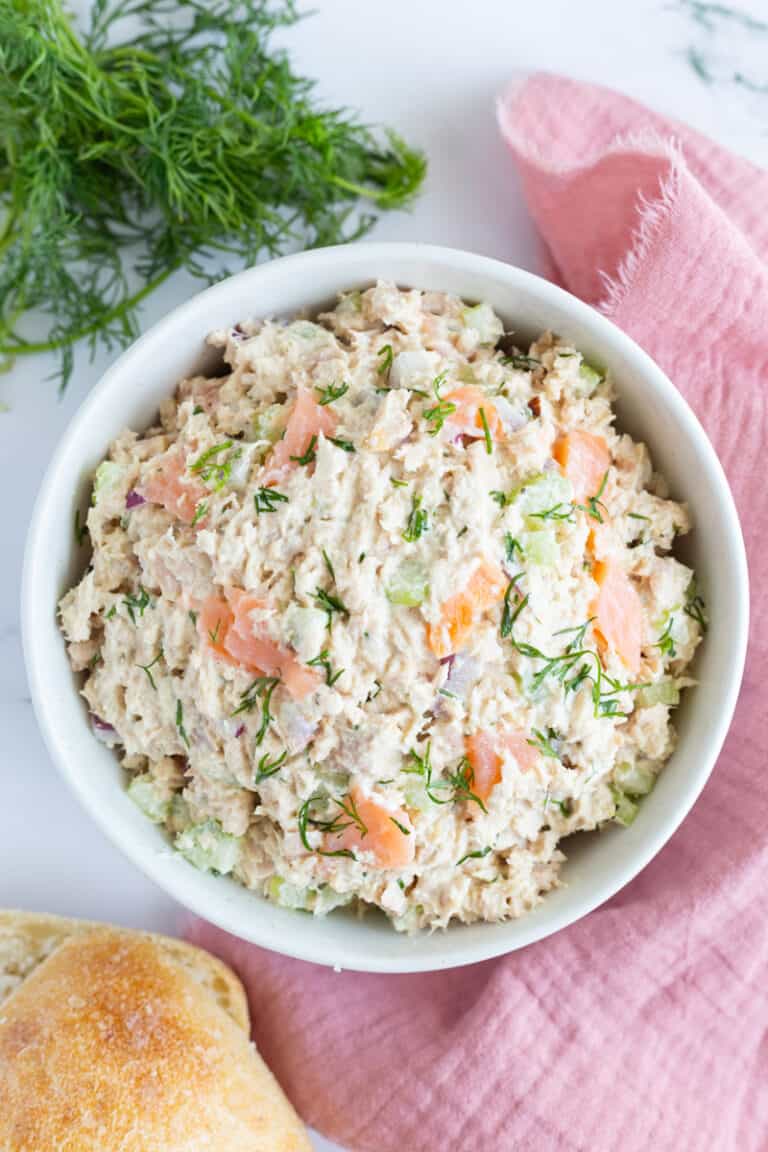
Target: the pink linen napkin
pixel 644 1026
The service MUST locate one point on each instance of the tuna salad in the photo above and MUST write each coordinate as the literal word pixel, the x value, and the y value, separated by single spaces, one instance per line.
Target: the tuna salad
pixel 385 611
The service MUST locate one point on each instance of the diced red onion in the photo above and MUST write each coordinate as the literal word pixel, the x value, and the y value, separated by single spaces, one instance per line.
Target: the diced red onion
pixel 134 499
pixel 297 730
pixel 239 731
pixel 512 418
pixel 461 677
pixel 103 731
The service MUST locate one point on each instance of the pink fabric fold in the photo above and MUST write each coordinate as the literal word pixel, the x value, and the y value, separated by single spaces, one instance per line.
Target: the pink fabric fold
pixel 643 1026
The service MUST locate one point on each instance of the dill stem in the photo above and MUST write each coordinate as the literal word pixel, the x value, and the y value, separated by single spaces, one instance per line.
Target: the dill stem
pixel 125 305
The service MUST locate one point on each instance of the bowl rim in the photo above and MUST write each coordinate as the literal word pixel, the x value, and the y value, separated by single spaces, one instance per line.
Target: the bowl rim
pixel 37 627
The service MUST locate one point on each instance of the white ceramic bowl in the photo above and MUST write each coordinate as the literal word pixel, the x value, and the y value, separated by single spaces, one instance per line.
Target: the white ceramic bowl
pixel 649 407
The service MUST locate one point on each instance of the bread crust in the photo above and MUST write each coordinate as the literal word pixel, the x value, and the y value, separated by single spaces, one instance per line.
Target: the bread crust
pixel 121 1040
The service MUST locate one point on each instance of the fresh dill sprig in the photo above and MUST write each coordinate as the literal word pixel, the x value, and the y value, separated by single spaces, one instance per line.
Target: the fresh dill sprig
pixel 346 817
pixel 478 854
pixel 666 642
pixel 330 604
pixel 180 722
pixel 138 603
pixel 214 466
pixel 437 415
pixel 486 431
pixel 345 445
pixel 386 357
pixel 190 140
pixel 331 393
pixel 260 689
pixel 324 661
pixel 267 499
pixel 309 456
pixel 543 741
pixel 418 522
pixel 148 669
pixel 268 767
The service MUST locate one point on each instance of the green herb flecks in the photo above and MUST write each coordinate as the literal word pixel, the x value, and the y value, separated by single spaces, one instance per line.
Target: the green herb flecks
pixel 418 522
pixel 180 723
pixel 345 445
pixel 510 611
pixel 398 483
pixel 556 512
pixel 134 604
pixel 324 661
pixel 543 742
pixel 478 854
pixel 522 363
pixel 147 668
pixel 309 456
pixel 214 466
pixel 330 604
pixel 401 827
pixel 187 139
pixel 386 356
pixel 331 393
pixel 511 545
pixel 258 691
pixel 81 528
pixel 666 642
pixel 331 824
pixel 486 431
pixel 267 499
pixel 201 511
pixel 594 503
pixel 437 415
pixel 695 607
pixel 268 767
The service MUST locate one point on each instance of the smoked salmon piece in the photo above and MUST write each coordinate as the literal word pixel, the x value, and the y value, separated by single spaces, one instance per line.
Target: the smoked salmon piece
pixel 459 613
pixel 467 420
pixel 227 630
pixel 484 755
pixel 618 612
pixel 171 486
pixel 391 846
pixel 307 419
pixel 584 459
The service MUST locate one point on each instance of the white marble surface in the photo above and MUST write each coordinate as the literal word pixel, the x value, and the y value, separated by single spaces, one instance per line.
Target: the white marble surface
pixel 431 68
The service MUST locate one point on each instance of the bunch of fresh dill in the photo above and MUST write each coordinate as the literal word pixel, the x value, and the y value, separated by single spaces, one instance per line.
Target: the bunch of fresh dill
pixel 123 159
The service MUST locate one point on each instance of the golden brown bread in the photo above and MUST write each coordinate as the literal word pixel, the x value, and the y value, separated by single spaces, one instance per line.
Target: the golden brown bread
pixel 119 1040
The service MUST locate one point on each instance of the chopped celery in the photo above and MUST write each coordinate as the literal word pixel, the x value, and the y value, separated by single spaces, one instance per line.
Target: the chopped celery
pixel 108 475
pixel 209 847
pixel 589 378
pixel 415 795
pixel 304 629
pixel 408 584
pixel 626 808
pixel 287 895
pixel 634 780
pixel 541 547
pixel 483 320
pixel 148 795
pixel 665 692
pixel 268 423
pixel 542 492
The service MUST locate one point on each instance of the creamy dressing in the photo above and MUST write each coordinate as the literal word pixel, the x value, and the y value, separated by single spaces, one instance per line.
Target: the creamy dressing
pixel 353 558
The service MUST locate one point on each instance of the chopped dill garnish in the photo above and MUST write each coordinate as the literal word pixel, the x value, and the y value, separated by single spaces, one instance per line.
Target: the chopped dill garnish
pixel 329 566
pixel 138 603
pixel 418 522
pixel 442 410
pixel 478 854
pixel 405 831
pixel 398 483
pixel 180 723
pixel 267 499
pixel 543 742
pixel 695 607
pixel 387 356
pixel 201 510
pixel 267 767
pixel 666 642
pixel 331 393
pixel 486 431
pixel 501 498
pixel 112 612
pixel 193 617
pixel 346 817
pixel 330 604
pixel 511 545
pixel 524 363
pixel 213 469
pixel 345 445
pixel 577 634
pixel 637 516
pixel 462 780
pixel 510 612
pixel 260 689
pixel 323 661
pixel 556 512
pixel 148 667
pixel 309 456
pixel 594 503
pixel 81 529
